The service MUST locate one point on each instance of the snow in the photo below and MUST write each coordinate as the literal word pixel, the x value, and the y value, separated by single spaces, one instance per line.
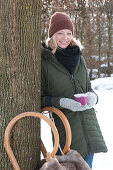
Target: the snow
pixel 104 88
pixel 101 84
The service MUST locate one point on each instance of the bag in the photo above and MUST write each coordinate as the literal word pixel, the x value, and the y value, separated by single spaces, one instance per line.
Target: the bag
pixel 70 161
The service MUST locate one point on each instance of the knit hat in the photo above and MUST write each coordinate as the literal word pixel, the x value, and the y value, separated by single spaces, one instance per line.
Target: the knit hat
pixel 59 21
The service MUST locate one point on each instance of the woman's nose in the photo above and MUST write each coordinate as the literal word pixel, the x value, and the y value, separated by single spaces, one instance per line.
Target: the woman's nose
pixel 64 37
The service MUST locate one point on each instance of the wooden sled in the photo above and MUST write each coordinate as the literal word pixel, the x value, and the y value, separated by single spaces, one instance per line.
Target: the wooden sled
pixel 71 160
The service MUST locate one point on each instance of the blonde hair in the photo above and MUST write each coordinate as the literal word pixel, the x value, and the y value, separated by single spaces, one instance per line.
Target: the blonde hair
pixel 51 42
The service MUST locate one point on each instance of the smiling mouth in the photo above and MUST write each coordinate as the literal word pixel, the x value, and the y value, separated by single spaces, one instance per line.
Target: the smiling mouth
pixel 63 42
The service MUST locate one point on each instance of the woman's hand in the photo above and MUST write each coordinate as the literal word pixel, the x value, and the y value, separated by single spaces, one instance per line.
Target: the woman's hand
pixel 71 105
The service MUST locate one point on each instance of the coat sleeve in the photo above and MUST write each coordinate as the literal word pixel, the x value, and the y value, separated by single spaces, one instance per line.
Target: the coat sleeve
pixel 88 82
pixel 90 88
pixel 47 100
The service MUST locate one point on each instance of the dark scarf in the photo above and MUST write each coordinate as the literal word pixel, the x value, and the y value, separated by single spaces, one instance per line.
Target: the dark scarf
pixel 68 57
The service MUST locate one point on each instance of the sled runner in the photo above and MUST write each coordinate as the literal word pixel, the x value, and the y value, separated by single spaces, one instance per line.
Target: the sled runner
pixel 71 160
pixel 13 122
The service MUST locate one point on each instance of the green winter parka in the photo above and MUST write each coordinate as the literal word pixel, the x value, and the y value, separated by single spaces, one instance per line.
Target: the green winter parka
pixel 57 82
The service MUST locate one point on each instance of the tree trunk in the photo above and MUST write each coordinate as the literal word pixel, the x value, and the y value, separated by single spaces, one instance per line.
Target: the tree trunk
pixel 20 79
pixel 109 44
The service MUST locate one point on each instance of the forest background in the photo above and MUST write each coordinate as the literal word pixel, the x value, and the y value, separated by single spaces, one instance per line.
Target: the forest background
pixel 93 26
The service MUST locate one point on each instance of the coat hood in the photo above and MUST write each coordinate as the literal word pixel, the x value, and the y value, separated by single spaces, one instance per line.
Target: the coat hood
pixel 46 52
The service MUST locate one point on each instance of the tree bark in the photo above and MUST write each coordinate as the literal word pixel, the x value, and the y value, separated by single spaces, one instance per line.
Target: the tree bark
pixel 109 52
pixel 20 79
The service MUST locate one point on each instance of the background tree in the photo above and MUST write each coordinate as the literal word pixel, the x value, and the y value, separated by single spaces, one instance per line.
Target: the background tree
pixel 20 79
pixel 109 14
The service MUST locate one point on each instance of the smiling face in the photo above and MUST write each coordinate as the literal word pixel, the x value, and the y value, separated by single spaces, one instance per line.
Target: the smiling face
pixel 63 38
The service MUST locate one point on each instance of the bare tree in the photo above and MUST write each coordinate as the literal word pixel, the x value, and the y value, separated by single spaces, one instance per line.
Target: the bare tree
pixel 109 13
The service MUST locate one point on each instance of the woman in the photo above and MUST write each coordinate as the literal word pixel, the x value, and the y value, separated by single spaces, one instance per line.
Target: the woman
pixel 64 74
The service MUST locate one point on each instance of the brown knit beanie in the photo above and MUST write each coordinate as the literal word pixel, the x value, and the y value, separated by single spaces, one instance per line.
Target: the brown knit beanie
pixel 59 21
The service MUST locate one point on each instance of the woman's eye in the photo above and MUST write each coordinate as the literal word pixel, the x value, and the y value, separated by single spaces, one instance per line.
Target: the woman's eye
pixel 59 33
pixel 69 33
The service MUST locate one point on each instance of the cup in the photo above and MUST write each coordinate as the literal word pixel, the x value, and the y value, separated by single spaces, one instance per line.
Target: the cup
pixel 82 98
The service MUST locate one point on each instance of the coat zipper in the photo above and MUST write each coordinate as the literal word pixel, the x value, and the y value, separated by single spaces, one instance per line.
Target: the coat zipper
pixel 75 90
pixel 73 83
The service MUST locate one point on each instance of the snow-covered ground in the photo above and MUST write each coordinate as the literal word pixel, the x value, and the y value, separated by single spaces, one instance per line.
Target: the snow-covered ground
pixel 104 88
